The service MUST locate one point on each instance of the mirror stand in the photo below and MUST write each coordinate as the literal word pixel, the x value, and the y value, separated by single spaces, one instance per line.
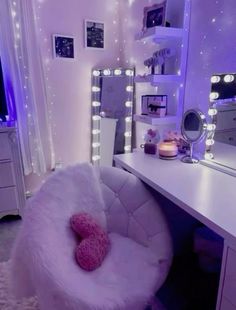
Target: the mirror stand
pixel 190 159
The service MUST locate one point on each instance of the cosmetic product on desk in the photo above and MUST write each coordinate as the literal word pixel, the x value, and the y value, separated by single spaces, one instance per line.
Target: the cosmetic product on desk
pixel 168 150
pixel 151 139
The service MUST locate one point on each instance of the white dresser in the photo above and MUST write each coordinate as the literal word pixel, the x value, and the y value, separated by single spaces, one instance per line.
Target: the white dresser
pixel 206 194
pixel 12 190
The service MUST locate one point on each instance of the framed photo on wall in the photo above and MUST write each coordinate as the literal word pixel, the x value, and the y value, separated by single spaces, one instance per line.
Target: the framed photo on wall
pixel 63 46
pixel 154 15
pixel 94 34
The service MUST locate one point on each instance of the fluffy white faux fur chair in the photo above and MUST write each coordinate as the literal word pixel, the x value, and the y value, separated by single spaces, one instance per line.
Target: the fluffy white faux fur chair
pixel 43 260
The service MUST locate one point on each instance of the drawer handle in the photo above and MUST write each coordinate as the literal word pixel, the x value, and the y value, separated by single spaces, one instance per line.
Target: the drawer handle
pixel 234 119
pixel 231 139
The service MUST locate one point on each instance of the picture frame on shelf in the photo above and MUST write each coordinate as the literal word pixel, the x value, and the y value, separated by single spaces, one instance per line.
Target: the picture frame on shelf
pixel 154 15
pixel 63 46
pixel 94 34
pixel 154 105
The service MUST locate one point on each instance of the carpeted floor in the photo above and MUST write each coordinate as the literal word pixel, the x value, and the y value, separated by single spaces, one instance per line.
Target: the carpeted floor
pixel 7 301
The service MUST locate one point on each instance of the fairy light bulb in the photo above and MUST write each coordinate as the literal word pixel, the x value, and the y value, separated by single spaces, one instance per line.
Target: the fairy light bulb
pixel 96 157
pixel 128 119
pixel 127 148
pixel 215 79
pixel 96 145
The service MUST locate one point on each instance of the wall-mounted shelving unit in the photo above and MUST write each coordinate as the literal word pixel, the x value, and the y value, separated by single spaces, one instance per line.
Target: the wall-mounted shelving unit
pixel 165 37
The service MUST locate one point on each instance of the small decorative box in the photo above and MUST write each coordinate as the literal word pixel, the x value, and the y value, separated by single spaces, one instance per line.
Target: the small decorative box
pixel 155 105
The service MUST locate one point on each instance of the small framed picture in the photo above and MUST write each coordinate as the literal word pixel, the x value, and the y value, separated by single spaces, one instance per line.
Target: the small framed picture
pixel 63 46
pixel 154 15
pixel 94 34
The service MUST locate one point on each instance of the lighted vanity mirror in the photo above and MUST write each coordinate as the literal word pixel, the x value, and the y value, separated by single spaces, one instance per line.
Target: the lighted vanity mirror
pixel 193 130
pixel 112 113
pixel 221 140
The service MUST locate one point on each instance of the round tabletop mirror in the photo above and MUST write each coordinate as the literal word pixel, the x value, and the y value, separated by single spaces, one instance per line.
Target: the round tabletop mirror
pixel 193 130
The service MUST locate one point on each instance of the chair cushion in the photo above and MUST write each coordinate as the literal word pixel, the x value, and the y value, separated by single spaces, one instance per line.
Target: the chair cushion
pixel 125 280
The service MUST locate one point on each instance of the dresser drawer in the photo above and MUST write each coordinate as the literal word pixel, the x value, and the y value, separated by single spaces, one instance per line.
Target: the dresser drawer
pixel 7 174
pixel 5 148
pixel 8 199
pixel 228 137
pixel 229 290
pixel 226 120
pixel 226 305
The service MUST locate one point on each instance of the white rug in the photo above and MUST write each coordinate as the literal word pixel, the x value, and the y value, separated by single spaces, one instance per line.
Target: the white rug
pixel 7 301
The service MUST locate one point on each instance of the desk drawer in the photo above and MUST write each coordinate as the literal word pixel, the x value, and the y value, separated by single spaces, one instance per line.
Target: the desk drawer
pixel 8 199
pixel 229 290
pixel 228 137
pixel 226 120
pixel 5 148
pixel 7 175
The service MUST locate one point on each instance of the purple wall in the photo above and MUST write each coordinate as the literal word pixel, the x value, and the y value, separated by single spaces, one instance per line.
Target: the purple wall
pixel 212 47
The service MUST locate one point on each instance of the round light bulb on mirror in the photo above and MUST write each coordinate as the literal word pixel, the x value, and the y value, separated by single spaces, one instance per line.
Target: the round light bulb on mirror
pixel 117 71
pixel 215 79
pixel 129 88
pixel 96 89
pixel 96 73
pixel 107 72
pixel 96 131
pixel 211 127
pixel 96 157
pixel 96 104
pixel 212 112
pixel 127 134
pixel 228 78
pixel 129 72
pixel 128 104
pixel 209 142
pixel 96 117
pixel 214 96
pixel 208 156
pixel 128 119
pixel 127 148
pixel 96 145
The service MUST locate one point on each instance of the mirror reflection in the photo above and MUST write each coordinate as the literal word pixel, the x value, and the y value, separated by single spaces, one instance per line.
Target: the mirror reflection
pixel 222 149
pixel 112 113
pixel 192 126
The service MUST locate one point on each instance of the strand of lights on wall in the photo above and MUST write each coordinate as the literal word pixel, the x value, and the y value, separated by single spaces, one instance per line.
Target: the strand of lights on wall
pixel 51 96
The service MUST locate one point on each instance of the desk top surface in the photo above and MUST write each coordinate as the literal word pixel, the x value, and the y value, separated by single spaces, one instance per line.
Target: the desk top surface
pixel 206 194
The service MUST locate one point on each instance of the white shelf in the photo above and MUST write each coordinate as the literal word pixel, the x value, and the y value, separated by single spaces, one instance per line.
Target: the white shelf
pixel 158 78
pixel 155 120
pixel 159 34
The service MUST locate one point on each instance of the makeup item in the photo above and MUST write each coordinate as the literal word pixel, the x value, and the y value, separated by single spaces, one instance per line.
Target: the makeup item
pixel 168 150
pixel 149 148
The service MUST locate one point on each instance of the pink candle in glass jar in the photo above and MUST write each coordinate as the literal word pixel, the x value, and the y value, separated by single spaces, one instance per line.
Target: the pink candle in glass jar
pixel 168 150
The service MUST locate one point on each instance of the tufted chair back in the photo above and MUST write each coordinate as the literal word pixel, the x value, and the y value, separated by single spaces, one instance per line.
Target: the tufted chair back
pixel 132 212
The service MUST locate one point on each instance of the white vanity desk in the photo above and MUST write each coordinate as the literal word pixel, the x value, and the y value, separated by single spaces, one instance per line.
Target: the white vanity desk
pixel 206 194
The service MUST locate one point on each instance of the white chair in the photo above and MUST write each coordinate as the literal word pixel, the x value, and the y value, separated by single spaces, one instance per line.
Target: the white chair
pixel 134 269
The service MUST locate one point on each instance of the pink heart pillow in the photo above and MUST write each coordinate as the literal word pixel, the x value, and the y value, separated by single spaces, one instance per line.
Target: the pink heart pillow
pixel 94 244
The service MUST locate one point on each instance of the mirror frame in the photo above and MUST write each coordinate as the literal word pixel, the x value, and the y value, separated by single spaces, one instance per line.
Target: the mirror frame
pixel 95 109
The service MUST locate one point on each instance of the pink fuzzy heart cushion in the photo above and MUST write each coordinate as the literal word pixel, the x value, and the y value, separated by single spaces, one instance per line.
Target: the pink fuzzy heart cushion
pixel 94 244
